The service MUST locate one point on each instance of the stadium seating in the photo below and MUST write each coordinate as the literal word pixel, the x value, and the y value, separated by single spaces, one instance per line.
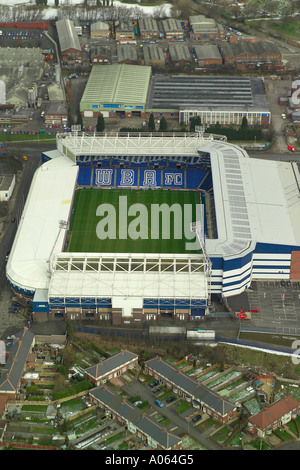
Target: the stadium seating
pixel 84 176
pixel 139 161
pixel 194 178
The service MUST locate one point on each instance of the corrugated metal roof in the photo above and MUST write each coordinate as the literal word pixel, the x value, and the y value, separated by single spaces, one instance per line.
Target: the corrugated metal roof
pixel 117 84
pixel 67 35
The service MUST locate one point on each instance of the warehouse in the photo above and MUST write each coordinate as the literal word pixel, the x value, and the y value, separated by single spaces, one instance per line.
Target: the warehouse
pixel 68 40
pixel 118 90
pixel 180 55
pixel 208 55
pixel 7 184
pixel 20 69
pixel 127 54
pixel 172 29
pixel 101 55
pixel 154 56
pixel 215 99
pixel 205 28
pixel 250 53
pixel 124 29
pixel 99 31
pixel 56 114
pixel 149 28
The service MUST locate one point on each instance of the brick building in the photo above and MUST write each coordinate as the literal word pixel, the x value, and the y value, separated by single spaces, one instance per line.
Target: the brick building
pixel 208 55
pixel 149 431
pixel 188 389
pixel 112 367
pixel 68 41
pixel 274 416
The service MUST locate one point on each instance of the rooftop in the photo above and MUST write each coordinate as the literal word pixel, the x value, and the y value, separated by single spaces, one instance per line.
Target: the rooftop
pixel 207 92
pixel 117 84
pixel 110 364
pixel 68 38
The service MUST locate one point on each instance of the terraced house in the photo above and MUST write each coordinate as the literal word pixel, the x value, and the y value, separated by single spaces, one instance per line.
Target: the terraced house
pixel 152 433
pixel 211 403
pixel 112 367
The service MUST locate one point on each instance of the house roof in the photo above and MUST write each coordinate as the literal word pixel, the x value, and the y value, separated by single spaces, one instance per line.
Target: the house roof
pixel 11 374
pixel 110 364
pixel 135 416
pixel 195 389
pixel 268 416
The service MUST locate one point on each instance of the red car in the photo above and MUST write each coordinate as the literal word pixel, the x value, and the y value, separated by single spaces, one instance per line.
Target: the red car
pixel 291 148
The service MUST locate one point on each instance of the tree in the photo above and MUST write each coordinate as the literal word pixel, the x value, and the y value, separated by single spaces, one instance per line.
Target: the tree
pixel 79 120
pixel 194 121
pixel 100 123
pixel 244 124
pixel 163 124
pixel 56 3
pixel 151 123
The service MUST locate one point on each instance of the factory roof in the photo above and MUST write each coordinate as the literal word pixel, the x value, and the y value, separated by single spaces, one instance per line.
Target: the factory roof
pixel 208 52
pixel 67 35
pixel 209 92
pixel 118 83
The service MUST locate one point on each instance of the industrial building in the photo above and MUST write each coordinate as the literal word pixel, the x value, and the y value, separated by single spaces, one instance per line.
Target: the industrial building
pixel 214 99
pixel 56 114
pixel 124 29
pixel 101 55
pixel 7 184
pixel 172 28
pixel 149 28
pixel 205 28
pixel 127 54
pixel 208 55
pixel 99 31
pixel 68 40
pixel 180 55
pixel 250 53
pixel 154 56
pixel 118 90
pixel 20 69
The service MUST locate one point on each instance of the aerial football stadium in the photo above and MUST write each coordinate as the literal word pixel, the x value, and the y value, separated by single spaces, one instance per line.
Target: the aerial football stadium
pixel 132 228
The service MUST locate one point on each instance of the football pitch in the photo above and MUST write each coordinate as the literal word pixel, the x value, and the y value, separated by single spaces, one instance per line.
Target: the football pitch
pixel 133 221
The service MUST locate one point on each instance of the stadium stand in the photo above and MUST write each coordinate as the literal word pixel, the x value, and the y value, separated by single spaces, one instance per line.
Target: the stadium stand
pixel 84 176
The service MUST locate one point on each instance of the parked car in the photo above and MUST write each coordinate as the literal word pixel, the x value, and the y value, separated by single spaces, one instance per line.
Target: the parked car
pixel 137 403
pixel 159 403
pixel 154 384
pixel 170 399
pixel 291 148
pixel 156 390
pixel 196 419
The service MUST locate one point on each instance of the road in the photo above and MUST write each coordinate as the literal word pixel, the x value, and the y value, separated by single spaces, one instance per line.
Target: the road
pixel 16 205
pixel 179 425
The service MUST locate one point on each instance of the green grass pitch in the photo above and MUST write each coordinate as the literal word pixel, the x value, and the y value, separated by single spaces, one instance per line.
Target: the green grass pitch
pixel 83 234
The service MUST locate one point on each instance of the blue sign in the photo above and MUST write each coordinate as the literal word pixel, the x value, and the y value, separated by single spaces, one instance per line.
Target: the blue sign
pixel 111 106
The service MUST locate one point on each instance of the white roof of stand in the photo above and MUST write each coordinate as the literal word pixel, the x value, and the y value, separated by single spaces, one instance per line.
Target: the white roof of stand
pixel 256 200
pixel 49 201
